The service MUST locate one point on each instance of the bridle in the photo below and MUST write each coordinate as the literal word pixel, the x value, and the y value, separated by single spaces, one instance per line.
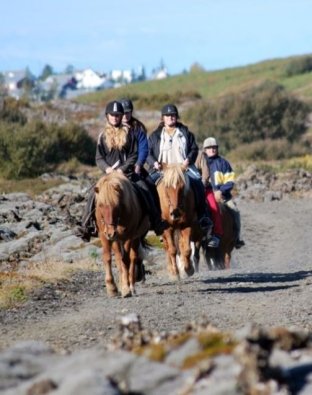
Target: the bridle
pixel 113 224
pixel 180 204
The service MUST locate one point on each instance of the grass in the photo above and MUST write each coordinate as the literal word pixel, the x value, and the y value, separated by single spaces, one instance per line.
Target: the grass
pixel 278 166
pixel 211 84
pixel 36 186
pixel 16 286
pixel 31 186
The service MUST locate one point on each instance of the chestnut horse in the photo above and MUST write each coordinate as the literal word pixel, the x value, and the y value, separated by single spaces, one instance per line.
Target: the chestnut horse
pixel 218 258
pixel 122 224
pixel 178 209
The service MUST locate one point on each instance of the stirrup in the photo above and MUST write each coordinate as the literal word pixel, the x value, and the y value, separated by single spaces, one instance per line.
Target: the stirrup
pixel 214 242
pixel 83 233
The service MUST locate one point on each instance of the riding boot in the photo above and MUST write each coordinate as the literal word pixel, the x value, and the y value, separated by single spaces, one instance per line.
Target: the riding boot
pixel 88 224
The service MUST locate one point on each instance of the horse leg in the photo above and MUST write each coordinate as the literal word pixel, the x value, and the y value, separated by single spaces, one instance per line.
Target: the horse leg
pixel 227 260
pixel 111 287
pixel 134 260
pixel 171 251
pixel 195 255
pixel 123 263
pixel 185 249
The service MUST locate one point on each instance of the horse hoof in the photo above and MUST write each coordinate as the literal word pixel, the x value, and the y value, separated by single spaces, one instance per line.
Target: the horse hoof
pixel 190 271
pixel 112 293
pixel 174 277
pixel 126 294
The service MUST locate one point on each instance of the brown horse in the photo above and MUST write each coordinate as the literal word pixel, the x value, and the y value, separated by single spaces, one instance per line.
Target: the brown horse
pixel 218 258
pixel 178 209
pixel 122 224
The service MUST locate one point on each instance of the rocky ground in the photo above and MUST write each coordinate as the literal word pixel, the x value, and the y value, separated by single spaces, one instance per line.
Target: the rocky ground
pixel 269 284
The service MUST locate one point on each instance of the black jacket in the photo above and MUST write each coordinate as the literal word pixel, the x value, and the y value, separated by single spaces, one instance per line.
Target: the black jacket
pixel 127 156
pixel 154 144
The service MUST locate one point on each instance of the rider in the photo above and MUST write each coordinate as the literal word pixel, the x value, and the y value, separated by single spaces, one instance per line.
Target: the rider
pixel 222 180
pixel 139 130
pixel 173 142
pixel 116 151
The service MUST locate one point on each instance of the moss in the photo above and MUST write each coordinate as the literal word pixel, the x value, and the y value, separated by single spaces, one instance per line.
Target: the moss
pixel 212 345
pixel 12 296
pixel 155 352
pixel 195 359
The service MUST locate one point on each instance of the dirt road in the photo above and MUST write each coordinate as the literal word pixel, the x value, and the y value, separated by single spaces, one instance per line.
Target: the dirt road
pixel 270 283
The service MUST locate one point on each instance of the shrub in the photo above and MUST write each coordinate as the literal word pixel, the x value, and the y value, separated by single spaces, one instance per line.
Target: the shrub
pixel 34 148
pixel 267 150
pixel 10 111
pixel 299 66
pixel 159 99
pixel 263 112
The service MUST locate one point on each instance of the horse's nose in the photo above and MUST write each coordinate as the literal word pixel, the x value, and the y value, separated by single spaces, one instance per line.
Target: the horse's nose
pixel 111 235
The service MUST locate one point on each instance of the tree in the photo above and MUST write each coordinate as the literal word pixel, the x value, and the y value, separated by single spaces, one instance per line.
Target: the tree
pixel 69 69
pixel 3 91
pixel 46 72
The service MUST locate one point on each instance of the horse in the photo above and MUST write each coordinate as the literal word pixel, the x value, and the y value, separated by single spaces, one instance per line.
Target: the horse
pixel 177 202
pixel 218 258
pixel 122 224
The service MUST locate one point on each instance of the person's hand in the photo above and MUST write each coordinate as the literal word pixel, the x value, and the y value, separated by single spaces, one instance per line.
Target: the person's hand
pixel 108 170
pixel 218 196
pixel 137 169
pixel 119 171
pixel 157 165
pixel 185 163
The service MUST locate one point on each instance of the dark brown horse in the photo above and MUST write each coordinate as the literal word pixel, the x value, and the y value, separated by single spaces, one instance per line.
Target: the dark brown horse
pixel 122 223
pixel 178 209
pixel 219 258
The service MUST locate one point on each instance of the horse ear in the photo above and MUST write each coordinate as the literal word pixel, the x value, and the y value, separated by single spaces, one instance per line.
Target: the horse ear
pixel 96 189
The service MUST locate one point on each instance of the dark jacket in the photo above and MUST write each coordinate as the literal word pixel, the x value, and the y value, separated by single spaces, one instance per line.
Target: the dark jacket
pixel 154 144
pixel 139 131
pixel 127 155
pixel 222 175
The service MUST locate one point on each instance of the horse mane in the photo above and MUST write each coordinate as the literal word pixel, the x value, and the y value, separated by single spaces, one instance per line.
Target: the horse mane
pixel 174 176
pixel 110 187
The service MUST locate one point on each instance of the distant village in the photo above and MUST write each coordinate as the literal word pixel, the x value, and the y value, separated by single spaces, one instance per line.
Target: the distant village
pixel 69 84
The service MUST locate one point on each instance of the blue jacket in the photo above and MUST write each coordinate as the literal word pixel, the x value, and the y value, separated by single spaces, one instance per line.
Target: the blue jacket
pixel 222 176
pixel 139 131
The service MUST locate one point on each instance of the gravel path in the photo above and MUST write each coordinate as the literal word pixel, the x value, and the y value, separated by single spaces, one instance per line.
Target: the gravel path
pixel 270 283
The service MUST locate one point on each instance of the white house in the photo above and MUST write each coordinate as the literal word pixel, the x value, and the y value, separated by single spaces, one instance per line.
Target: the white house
pixel 89 79
pixel 122 76
pixel 13 79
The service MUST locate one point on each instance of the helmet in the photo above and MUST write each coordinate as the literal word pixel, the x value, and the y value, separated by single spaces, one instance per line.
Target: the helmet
pixel 169 109
pixel 114 107
pixel 210 142
pixel 127 105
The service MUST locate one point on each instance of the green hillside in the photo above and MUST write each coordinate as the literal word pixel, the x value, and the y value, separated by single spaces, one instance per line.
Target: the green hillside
pixel 259 112
pixel 214 84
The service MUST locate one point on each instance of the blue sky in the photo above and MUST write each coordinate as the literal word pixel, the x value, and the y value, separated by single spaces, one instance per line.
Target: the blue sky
pixel 125 34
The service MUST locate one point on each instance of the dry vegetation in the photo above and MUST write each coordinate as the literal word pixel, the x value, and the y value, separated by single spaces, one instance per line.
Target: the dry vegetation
pixel 17 285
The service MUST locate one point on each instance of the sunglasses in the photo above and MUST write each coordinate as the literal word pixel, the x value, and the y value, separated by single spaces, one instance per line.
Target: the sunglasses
pixel 212 147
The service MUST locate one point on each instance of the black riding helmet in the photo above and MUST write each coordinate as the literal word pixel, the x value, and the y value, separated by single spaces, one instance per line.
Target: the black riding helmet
pixel 169 109
pixel 127 105
pixel 114 107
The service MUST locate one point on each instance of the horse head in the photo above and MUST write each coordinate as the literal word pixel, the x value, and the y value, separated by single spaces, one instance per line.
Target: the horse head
pixel 109 202
pixel 174 184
